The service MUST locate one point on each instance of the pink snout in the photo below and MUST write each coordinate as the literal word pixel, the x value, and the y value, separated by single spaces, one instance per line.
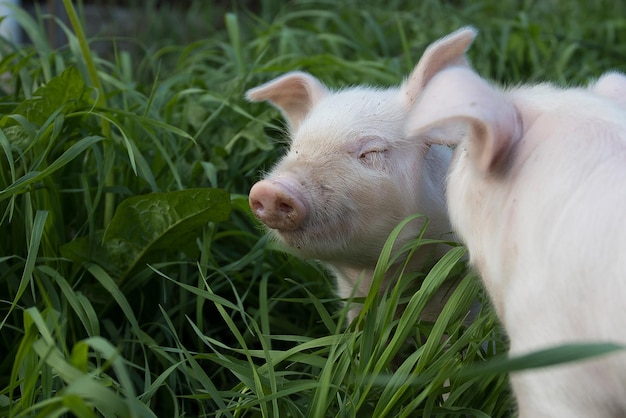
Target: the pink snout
pixel 277 205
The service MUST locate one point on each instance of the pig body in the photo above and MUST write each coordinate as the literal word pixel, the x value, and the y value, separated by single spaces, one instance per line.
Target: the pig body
pixel 350 174
pixel 536 190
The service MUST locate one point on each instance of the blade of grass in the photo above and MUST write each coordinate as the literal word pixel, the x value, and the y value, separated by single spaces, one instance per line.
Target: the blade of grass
pixel 100 100
pixel 33 249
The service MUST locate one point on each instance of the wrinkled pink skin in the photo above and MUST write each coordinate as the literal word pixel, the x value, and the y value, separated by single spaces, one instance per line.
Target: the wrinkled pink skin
pixel 351 175
pixel 537 191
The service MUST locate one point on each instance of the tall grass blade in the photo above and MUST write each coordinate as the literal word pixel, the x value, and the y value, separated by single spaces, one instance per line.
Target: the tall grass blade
pixel 36 235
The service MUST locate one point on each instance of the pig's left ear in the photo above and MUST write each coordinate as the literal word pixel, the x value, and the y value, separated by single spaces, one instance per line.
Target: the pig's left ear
pixel 458 106
pixel 446 52
pixel 294 94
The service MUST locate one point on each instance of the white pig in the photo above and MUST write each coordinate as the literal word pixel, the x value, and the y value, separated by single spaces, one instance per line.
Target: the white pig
pixel 350 175
pixel 537 192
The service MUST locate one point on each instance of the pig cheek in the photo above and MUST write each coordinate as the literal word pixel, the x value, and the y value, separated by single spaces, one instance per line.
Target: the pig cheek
pixel 345 220
pixel 377 210
pixel 392 210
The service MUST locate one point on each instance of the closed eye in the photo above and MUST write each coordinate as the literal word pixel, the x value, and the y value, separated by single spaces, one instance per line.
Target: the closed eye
pixel 371 151
pixel 374 158
pixel 367 154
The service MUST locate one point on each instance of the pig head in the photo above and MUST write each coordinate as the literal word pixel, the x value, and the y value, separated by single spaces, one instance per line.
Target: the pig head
pixel 537 192
pixel 350 175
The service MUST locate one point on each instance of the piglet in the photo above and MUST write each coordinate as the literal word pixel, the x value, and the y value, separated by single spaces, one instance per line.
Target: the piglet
pixel 350 174
pixel 537 192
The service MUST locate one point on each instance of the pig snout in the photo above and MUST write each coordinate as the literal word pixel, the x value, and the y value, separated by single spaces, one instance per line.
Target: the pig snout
pixel 277 204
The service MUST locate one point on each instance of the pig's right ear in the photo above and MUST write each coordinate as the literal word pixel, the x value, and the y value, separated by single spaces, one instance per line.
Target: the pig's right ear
pixel 458 106
pixel 294 94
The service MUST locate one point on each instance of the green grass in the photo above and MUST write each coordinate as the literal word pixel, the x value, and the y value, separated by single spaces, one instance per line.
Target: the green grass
pixel 135 282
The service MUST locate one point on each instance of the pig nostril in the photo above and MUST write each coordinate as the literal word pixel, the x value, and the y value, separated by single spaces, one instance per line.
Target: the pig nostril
pixel 257 206
pixel 285 208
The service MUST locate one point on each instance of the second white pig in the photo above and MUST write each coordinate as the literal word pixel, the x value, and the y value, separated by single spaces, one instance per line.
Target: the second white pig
pixel 537 191
pixel 350 175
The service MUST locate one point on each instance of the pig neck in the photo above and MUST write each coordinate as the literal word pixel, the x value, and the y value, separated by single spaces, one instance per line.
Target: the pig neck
pixel 356 280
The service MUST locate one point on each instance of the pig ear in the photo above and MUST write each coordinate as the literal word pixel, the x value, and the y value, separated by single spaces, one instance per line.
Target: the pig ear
pixel 612 85
pixel 458 105
pixel 446 52
pixel 294 94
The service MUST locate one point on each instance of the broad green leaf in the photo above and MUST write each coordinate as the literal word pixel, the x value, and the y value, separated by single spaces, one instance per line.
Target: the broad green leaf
pixel 84 249
pixel 66 89
pixel 144 225
pixel 149 225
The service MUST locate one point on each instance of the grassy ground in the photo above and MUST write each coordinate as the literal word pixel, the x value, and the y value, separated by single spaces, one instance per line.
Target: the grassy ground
pixel 133 280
